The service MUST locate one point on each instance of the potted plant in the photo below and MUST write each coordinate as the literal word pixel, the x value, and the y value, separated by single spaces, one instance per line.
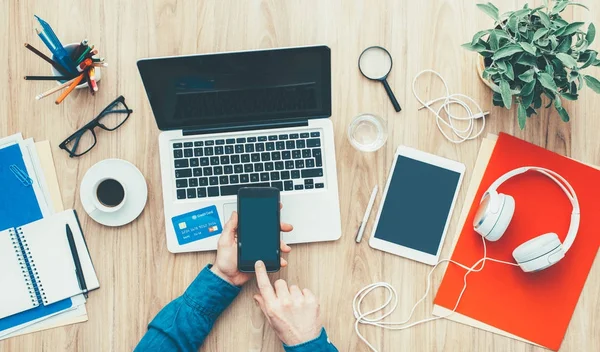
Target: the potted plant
pixel 533 52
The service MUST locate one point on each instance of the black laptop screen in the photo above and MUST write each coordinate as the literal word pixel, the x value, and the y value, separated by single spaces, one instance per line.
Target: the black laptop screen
pixel 234 88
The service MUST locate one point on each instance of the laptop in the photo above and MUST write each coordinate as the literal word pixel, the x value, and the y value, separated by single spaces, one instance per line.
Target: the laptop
pixel 244 119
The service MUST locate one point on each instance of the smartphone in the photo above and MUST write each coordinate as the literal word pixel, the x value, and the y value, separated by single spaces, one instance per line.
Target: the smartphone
pixel 258 228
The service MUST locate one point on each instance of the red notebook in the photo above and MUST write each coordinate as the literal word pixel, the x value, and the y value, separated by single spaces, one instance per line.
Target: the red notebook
pixel 533 306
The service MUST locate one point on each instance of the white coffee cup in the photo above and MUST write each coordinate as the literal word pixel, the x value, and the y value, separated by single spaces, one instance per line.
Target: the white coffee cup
pixel 109 195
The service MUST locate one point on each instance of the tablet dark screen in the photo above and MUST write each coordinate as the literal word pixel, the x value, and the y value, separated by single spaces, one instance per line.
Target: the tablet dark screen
pixel 417 204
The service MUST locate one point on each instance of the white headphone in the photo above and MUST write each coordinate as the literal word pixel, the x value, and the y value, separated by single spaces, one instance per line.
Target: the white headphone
pixel 497 209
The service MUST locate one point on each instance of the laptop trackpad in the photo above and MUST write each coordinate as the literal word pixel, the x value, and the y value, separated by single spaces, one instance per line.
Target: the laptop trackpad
pixel 228 208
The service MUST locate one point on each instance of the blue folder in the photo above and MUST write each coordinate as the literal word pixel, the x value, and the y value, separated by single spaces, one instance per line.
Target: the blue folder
pixel 19 206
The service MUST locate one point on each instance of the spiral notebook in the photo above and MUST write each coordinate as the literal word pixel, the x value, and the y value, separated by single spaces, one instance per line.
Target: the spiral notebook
pixel 37 266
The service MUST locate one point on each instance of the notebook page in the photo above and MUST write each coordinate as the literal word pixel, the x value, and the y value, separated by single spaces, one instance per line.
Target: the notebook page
pixel 16 293
pixel 50 257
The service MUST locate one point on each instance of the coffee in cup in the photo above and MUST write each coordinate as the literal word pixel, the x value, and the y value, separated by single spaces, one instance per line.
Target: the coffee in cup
pixel 110 194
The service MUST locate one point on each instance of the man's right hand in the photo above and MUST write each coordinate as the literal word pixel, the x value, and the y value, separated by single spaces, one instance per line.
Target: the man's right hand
pixel 292 313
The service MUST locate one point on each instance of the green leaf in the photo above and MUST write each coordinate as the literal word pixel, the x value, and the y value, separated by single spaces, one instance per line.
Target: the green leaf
pixel 521 115
pixel 553 41
pixel 521 13
pixel 573 76
pixel 526 59
pixel 527 76
pixel 544 19
pixel 559 7
pixel 501 33
pixel 567 60
pixel 510 72
pixel 501 66
pixel 569 29
pixel 527 100
pixel 590 60
pixel 581 46
pixel 569 96
pixel 563 114
pixel 528 88
pixel 591 33
pixel 547 81
pixel 478 36
pixel 565 45
pixel 528 47
pixel 557 103
pixel 512 24
pixel 540 33
pixel 490 10
pixel 593 83
pixel 506 94
pixel 573 87
pixel 477 47
pixel 507 51
pixel 579 4
pixel 543 42
pixel 493 41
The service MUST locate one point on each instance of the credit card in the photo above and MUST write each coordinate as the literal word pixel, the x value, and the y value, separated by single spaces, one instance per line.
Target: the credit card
pixel 197 225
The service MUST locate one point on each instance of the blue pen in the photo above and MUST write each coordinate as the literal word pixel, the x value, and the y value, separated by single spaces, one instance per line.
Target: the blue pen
pixel 49 38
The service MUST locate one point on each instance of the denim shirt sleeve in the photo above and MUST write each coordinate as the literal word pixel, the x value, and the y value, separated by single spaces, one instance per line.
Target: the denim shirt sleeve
pixel 320 344
pixel 184 323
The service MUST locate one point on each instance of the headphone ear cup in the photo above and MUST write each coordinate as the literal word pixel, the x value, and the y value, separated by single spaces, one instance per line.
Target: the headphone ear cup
pixel 507 210
pixel 539 253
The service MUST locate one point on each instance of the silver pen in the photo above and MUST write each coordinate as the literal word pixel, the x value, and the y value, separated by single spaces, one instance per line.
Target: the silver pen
pixel 363 223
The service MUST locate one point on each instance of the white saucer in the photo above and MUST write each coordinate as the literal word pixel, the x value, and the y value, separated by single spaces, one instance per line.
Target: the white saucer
pixel 134 182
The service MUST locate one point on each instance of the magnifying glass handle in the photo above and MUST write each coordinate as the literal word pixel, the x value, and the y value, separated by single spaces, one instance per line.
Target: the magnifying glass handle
pixel 391 96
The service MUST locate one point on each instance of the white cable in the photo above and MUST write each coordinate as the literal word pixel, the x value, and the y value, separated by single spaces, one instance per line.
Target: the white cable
pixel 362 317
pixel 449 119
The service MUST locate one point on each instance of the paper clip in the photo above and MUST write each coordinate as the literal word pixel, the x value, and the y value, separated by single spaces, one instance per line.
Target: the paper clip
pixel 21 175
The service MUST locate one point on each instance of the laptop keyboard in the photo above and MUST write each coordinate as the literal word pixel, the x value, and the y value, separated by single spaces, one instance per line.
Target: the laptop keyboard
pixel 220 167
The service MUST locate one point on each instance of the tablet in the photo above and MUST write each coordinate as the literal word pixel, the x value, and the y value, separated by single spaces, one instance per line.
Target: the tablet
pixel 417 204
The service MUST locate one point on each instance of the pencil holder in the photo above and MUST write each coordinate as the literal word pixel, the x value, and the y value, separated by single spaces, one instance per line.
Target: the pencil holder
pixel 70 48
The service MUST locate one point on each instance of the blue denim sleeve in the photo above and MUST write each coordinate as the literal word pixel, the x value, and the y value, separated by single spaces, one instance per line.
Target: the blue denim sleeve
pixel 184 323
pixel 320 344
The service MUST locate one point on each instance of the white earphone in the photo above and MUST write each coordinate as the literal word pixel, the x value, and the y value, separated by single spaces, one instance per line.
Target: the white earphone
pixel 496 211
pixel 491 221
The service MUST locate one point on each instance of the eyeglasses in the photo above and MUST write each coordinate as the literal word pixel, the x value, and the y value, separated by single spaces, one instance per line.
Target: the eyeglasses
pixel 111 118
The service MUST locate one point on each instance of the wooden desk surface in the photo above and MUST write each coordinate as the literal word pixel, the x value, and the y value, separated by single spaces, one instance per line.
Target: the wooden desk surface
pixel 137 273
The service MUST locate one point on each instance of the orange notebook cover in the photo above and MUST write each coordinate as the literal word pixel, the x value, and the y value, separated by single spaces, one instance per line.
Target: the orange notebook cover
pixel 534 306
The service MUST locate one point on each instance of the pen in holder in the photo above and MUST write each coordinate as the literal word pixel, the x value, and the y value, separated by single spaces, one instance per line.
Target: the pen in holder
pixel 71 48
pixel 74 66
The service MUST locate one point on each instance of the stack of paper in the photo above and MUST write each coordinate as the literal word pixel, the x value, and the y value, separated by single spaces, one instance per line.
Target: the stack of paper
pixel 32 164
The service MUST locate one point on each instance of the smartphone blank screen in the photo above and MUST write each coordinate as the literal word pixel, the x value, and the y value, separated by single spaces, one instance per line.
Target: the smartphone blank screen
pixel 259 231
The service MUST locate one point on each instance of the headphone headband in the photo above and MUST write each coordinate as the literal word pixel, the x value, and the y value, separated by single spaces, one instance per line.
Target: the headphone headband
pixel 562 183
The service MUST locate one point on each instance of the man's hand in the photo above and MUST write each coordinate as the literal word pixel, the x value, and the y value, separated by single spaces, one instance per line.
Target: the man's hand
pixel 293 314
pixel 226 263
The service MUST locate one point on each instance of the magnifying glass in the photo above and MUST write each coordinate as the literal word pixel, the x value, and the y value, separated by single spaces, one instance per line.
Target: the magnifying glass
pixel 375 63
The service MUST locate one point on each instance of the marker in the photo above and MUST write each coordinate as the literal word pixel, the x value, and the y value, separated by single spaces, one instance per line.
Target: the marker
pixel 363 223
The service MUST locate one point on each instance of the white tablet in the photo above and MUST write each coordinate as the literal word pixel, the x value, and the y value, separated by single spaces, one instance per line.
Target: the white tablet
pixel 417 204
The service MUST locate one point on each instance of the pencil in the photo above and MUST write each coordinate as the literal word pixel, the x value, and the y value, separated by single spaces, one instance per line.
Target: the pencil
pixel 55 89
pixel 92 73
pixel 89 81
pixel 54 64
pixel 83 55
pixel 100 64
pixel 85 64
pixel 69 90
pixel 47 78
pixel 98 59
pixel 79 49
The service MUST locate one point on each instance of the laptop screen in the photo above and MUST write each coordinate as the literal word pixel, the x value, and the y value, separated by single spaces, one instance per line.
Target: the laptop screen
pixel 237 88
